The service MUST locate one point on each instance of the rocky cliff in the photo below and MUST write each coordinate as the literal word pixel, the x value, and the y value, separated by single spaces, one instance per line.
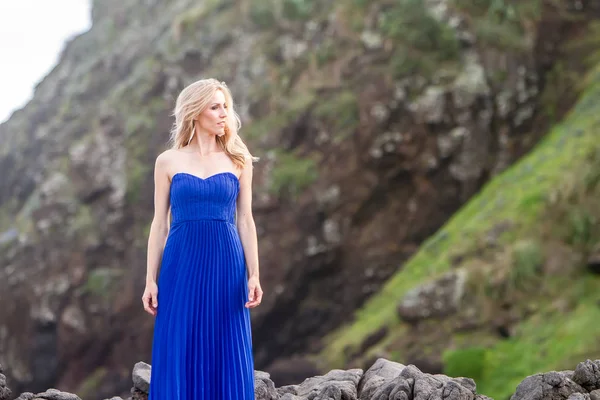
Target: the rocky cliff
pixel 375 122
pixel 507 285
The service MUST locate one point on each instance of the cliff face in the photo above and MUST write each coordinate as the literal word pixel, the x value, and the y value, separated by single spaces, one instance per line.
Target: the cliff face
pixel 374 122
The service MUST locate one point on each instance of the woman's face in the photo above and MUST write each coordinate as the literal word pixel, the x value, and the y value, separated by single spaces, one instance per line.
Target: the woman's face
pixel 212 119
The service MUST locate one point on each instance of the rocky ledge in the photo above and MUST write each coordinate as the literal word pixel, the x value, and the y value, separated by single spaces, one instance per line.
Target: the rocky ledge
pixel 384 380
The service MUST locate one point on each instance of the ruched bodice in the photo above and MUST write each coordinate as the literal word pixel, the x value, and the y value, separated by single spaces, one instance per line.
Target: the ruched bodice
pixel 195 198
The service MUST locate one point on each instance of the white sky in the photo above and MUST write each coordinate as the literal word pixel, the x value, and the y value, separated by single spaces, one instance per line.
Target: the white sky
pixel 32 35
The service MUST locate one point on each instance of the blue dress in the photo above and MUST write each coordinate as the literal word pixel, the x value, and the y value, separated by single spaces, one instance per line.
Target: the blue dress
pixel 202 344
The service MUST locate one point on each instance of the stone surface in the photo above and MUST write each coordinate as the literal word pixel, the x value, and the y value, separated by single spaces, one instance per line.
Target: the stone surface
pixel 439 298
pixel 547 386
pixel 587 374
pixel 386 379
pixel 141 376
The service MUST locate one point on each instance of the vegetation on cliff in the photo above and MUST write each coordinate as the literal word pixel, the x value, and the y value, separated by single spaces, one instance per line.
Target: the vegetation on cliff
pixel 523 242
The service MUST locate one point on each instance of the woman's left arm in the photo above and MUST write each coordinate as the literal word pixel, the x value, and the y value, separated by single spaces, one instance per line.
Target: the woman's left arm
pixel 247 231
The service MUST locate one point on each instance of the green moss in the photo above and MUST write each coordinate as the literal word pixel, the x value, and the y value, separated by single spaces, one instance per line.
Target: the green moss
pixel 292 174
pixel 90 386
pixel 100 281
pixel 189 19
pixel 527 261
pixel 339 113
pixel 501 23
pixel 261 14
pixel 281 118
pixel 520 195
pixel 83 224
pixel 468 362
pixel 548 341
pixel 421 41
pixel 297 9
pixel 499 35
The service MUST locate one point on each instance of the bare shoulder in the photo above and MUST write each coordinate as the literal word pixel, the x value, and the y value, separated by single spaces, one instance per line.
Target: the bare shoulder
pixel 165 159
pixel 249 162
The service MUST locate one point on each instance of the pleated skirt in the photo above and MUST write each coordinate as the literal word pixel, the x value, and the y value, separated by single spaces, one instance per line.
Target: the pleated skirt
pixel 202 343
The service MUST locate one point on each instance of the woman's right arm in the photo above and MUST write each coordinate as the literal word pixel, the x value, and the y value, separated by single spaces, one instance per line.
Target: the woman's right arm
pixel 159 230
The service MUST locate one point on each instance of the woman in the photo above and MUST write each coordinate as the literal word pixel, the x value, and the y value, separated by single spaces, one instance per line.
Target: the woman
pixel 208 257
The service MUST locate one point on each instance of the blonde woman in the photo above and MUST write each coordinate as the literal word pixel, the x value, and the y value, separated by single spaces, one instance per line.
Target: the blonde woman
pixel 203 238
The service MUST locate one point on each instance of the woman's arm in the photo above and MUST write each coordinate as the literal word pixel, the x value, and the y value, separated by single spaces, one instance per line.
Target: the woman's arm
pixel 247 231
pixel 159 230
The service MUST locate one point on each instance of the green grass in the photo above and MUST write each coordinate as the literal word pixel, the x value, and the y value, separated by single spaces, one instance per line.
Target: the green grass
pixel 551 340
pixel 519 195
pixel 292 174
pixel 546 342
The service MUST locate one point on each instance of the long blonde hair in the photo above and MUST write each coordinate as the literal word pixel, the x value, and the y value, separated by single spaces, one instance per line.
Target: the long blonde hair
pixel 193 100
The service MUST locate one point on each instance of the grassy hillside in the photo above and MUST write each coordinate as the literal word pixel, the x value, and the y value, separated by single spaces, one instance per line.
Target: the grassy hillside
pixel 523 240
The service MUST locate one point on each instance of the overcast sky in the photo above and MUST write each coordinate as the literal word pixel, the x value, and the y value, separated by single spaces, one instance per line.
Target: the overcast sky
pixel 32 35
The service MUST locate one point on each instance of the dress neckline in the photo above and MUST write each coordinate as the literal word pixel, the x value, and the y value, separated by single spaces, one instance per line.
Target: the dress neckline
pixel 208 177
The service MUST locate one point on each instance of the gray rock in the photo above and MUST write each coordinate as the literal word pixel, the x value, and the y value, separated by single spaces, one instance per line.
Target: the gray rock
pixel 141 376
pixel 398 388
pixel 471 83
pixel 5 393
pixel 26 396
pixel 381 373
pixel 595 394
pixel 430 106
pixel 547 386
pixel 439 298
pixel 587 374
pixel 54 394
pixel 430 387
pixel 335 385
pixel 579 396
pixel 264 388
pixel 389 380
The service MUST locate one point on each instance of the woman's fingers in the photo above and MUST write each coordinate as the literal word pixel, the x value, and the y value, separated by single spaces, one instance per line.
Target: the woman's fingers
pixel 150 301
pixel 254 297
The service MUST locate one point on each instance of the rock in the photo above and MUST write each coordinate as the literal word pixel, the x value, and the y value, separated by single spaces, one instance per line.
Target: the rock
pixel 439 298
pixel 380 373
pixel 579 396
pixel 54 394
pixel 5 392
pixel 427 386
pixel 430 107
pixel 264 388
pixel 587 374
pixel 595 395
pixel 547 386
pixel 471 83
pixel 335 385
pixel 141 377
pixel 26 396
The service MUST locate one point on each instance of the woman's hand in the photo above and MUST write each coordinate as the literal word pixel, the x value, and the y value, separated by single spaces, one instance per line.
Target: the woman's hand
pixel 255 292
pixel 150 298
